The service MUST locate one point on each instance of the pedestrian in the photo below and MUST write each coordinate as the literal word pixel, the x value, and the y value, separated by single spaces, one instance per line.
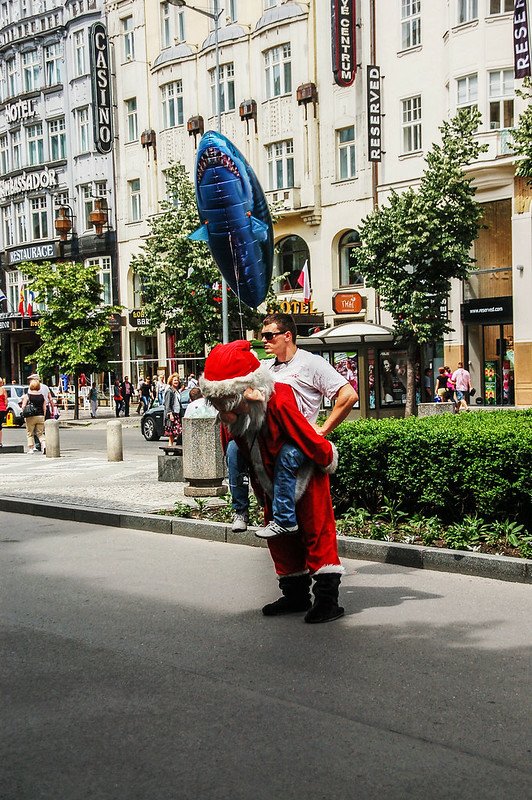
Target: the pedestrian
pixel 441 385
pixel 93 399
pixel 160 388
pixel 33 404
pixel 3 406
pixel 126 390
pixel 262 416
pixel 198 405
pixel 462 380
pixel 140 384
pixel 146 394
pixel 49 406
pixel 192 382
pixel 172 409
pixel 117 397
pixel 312 378
pixel 427 386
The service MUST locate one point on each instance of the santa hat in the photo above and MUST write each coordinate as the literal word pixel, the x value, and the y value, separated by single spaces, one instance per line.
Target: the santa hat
pixel 231 368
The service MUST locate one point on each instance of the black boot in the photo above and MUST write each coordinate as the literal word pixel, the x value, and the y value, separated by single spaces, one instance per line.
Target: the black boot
pixel 325 591
pixel 296 596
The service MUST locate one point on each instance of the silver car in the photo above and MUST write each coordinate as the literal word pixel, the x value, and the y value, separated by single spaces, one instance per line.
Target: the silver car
pixel 15 393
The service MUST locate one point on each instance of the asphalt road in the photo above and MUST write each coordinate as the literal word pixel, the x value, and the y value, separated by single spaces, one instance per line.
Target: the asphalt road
pixel 137 665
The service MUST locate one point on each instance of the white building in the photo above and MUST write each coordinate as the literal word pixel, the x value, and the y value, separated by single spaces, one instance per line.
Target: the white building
pixel 307 139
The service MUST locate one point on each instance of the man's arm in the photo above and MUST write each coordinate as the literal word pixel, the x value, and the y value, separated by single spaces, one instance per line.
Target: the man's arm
pixel 345 400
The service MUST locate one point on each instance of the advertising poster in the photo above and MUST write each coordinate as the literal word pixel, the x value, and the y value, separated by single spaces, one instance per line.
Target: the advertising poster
pixel 347 365
pixel 371 379
pixel 490 382
pixel 392 371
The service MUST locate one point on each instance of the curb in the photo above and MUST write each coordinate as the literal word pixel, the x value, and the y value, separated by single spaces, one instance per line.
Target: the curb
pixel 481 565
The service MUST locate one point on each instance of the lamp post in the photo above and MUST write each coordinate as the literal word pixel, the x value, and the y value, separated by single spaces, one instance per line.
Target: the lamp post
pixel 216 18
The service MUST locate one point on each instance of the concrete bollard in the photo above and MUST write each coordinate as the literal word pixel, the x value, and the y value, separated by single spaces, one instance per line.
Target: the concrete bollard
pixel 203 461
pixel 115 451
pixel 51 437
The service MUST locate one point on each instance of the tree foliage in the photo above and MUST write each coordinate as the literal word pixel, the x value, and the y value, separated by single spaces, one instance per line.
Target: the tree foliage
pixel 416 244
pixel 522 134
pixel 74 328
pixel 181 284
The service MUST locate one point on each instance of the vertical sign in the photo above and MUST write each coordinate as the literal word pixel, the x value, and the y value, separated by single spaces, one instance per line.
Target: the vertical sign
pixel 344 50
pixel 101 88
pixel 374 113
pixel 521 40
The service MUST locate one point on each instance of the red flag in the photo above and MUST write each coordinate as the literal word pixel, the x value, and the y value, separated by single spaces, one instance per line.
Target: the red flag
pixel 21 303
pixel 304 281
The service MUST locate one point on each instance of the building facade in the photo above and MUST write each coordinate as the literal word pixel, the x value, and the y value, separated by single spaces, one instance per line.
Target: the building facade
pixel 56 158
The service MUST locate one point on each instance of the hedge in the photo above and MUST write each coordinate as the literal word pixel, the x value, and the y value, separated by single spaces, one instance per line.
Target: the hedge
pixel 449 465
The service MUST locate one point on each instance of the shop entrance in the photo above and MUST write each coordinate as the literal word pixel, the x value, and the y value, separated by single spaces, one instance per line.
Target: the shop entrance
pixel 498 365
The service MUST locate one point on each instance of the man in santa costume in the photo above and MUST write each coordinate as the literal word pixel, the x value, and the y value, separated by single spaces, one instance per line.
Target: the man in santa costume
pixel 262 416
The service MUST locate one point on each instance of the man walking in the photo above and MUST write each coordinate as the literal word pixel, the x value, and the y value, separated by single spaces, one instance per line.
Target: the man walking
pixel 127 392
pixel 311 377
pixel 462 382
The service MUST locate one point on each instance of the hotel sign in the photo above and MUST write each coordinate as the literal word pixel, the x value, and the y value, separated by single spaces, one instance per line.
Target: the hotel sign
pixel 344 49
pixel 101 88
pixel 28 182
pixel 374 113
pixel 36 252
pixel 19 111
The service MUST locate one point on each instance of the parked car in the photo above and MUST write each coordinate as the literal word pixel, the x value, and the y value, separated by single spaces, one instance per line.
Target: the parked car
pixel 152 421
pixel 15 393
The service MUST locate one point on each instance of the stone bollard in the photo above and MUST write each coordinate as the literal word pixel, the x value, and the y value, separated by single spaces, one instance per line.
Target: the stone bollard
pixel 431 409
pixel 203 461
pixel 51 437
pixel 115 450
pixel 170 465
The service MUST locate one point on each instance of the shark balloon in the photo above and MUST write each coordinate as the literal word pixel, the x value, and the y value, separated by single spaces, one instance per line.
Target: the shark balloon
pixel 236 221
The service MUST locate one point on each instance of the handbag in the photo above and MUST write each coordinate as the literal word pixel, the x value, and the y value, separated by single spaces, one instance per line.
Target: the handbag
pixel 30 410
pixel 472 392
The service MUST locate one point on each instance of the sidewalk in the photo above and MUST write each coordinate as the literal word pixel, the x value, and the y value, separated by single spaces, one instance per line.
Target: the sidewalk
pixel 104 414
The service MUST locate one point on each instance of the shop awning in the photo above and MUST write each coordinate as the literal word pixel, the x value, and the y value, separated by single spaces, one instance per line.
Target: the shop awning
pixel 349 333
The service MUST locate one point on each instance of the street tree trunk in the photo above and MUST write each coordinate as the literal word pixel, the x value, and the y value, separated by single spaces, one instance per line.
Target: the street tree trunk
pixel 411 352
pixel 76 396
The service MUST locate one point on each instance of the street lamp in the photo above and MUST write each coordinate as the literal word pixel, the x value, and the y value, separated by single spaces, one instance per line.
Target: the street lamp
pixel 216 18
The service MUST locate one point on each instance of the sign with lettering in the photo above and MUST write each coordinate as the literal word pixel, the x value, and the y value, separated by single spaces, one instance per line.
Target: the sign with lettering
pixel 101 88
pixel 297 307
pixel 35 252
pixel 521 40
pixel 348 303
pixel 487 311
pixel 19 111
pixel 28 182
pixel 137 318
pixel 344 49
pixel 374 113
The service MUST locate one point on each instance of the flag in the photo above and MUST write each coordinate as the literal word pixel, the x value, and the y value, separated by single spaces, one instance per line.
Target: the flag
pixel 304 281
pixel 2 296
pixel 29 307
pixel 21 303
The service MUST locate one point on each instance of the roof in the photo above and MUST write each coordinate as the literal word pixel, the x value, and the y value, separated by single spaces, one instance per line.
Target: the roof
pixel 350 332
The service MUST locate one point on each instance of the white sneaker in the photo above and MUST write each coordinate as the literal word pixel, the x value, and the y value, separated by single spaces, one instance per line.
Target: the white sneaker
pixel 272 530
pixel 240 523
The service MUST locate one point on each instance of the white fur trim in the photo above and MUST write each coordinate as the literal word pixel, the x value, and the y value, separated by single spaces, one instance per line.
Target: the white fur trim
pixel 330 569
pixel 333 466
pixel 261 379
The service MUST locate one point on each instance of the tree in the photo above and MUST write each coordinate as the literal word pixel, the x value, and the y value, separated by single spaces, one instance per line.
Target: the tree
pixel 181 285
pixel 522 135
pixel 74 328
pixel 413 247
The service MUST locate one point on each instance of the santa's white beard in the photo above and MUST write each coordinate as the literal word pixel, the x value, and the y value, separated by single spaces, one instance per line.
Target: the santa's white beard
pixel 249 424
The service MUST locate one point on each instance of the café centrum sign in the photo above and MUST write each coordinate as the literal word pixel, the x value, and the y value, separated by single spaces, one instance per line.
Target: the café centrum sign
pixel 344 51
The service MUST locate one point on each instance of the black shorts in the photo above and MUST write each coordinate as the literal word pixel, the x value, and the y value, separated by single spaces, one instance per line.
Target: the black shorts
pixel 2 417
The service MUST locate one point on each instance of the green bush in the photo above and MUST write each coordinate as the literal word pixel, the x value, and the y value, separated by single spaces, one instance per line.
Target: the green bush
pixel 450 466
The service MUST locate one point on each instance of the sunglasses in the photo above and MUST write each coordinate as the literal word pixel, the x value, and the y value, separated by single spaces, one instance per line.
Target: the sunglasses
pixel 269 335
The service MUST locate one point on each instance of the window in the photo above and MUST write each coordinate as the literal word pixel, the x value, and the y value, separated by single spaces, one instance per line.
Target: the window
pixel 16 149
pixel 128 41
pixel 467 10
pixel 79 53
pixel 132 131
pixel 291 254
pixel 346 153
pixel 20 222
pixel 52 64
pixel 180 32
pixel 281 165
pixel 104 275
pixel 82 118
pixel 411 124
pixel 172 103
pixel 134 200
pixel 31 71
pixel 14 286
pixel 4 154
pixel 226 88
pixel 501 98
pixel 231 11
pixel 166 27
pixel 467 92
pixel 349 274
pixel 7 226
pixel 410 23
pixel 138 298
pixel 269 4
pixel 87 204
pixel 12 78
pixel 35 141
pixel 278 67
pixel 39 218
pixel 501 6
pixel 57 139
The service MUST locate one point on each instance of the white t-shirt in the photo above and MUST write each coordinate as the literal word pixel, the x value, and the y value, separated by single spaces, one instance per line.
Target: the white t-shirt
pixel 311 378
pixel 199 408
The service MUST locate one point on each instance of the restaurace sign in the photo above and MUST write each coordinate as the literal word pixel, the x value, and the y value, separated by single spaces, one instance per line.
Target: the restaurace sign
pixel 101 88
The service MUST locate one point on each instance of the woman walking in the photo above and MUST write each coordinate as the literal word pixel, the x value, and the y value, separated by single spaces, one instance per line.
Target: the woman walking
pixel 33 412
pixel 3 406
pixel 93 399
pixel 172 409
pixel 117 397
